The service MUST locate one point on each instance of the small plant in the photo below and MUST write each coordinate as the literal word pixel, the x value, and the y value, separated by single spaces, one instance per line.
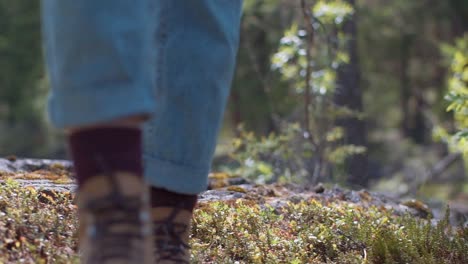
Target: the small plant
pixel 308 58
pixel 457 96
pixel 308 146
pixel 458 92
pixel 286 157
pixel 277 157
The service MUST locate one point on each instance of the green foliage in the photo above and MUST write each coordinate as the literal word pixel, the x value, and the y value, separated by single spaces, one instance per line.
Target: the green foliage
pixel 314 232
pixel 36 226
pixel 330 12
pixel 298 53
pixel 308 67
pixel 41 226
pixel 277 157
pixel 457 94
pixel 283 157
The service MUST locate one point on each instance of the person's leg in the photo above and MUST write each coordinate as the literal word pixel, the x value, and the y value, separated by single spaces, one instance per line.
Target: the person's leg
pixel 101 93
pixel 196 44
pixel 97 60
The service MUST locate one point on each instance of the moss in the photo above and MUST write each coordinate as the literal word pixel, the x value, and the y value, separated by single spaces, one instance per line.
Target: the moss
pixel 422 208
pixel 235 188
pixel 57 176
pixel 40 227
pixel 313 232
pixel 36 227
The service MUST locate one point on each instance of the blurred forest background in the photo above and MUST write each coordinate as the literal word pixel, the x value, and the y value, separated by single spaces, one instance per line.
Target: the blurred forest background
pixel 365 93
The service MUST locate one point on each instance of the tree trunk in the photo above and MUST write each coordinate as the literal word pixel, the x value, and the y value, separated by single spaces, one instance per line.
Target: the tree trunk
pixel 413 123
pixel 460 23
pixel 405 92
pixel 349 95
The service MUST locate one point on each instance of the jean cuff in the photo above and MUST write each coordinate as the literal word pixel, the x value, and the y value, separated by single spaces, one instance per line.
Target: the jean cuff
pixel 175 177
pixel 94 106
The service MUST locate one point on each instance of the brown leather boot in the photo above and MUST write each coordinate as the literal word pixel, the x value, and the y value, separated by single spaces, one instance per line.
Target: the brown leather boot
pixel 171 230
pixel 114 220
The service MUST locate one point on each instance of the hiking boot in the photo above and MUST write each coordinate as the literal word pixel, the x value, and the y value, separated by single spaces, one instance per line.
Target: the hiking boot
pixel 171 230
pixel 114 220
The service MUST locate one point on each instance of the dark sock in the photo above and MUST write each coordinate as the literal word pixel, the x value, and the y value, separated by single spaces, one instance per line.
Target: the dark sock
pixel 102 150
pixel 164 198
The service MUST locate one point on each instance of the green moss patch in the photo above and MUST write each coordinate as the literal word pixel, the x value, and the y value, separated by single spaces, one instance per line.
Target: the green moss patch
pixel 40 227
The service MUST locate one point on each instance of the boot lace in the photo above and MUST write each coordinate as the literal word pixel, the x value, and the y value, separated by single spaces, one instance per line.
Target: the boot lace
pixel 116 232
pixel 169 244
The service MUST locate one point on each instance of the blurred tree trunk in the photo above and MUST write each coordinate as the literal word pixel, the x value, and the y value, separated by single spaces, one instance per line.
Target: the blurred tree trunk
pixel 405 93
pixel 412 122
pixel 349 95
pixel 252 101
pixel 236 117
pixel 460 23
pixel 261 62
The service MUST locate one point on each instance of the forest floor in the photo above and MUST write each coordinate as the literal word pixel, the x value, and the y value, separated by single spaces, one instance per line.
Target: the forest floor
pixel 237 222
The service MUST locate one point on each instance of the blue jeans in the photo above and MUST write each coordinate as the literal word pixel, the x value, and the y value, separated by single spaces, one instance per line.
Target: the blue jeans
pixel 171 59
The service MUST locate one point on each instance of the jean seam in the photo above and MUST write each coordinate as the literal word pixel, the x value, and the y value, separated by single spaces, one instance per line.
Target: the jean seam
pixel 160 38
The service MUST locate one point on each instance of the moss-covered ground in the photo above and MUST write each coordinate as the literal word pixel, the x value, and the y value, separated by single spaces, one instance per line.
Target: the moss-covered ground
pixel 39 227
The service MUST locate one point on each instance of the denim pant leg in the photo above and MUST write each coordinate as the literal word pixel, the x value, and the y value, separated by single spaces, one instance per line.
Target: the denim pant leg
pixel 196 43
pixel 97 56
